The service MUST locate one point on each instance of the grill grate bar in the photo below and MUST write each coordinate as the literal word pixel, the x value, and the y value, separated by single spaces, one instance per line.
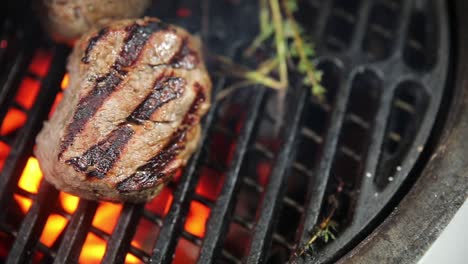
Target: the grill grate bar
pixel 192 238
pixel 230 257
pixel 22 147
pixel 122 235
pixel 153 217
pixel 242 222
pixel 403 27
pixel 360 27
pixel 45 249
pixel 368 188
pixel 273 197
pixel 17 70
pixel 173 222
pixel 318 185
pixel 218 221
pixel 76 232
pixel 32 225
pixel 139 254
pixel 325 11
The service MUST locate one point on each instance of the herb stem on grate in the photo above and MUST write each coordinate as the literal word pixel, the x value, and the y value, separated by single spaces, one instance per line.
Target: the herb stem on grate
pixel 324 231
pixel 277 23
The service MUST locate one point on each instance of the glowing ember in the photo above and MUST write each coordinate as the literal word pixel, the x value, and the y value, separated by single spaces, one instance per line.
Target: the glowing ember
pixel 31 177
pixel 93 249
pixel 162 203
pixel 13 120
pixel 29 181
pixel 54 226
pixel 186 252
pixel 184 12
pixel 106 216
pixel 132 259
pixel 40 63
pixel 27 92
pixel 196 219
pixel 210 183
pixel 24 203
pixel 69 202
pixel 64 83
pixel 4 151
pixel 263 172
pixel 3 44
pixel 58 98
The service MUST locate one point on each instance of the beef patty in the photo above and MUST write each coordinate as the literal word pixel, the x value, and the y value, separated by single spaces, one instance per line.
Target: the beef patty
pixel 130 118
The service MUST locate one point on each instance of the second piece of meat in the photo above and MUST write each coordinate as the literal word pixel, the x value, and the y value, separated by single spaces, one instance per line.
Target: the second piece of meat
pixel 67 20
pixel 130 118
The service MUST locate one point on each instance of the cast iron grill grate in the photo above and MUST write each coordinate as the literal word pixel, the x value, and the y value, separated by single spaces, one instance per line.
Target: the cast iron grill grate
pixel 247 195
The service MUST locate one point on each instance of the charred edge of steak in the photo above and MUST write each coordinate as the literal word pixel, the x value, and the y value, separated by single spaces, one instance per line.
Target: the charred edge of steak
pixel 133 45
pixel 88 106
pixel 92 42
pixel 165 90
pixel 184 58
pixel 100 158
pixel 150 174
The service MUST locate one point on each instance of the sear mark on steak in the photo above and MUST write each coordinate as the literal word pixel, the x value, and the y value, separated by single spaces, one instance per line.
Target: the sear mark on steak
pixel 165 90
pixel 92 42
pixel 185 58
pixel 100 158
pixel 136 39
pixel 152 173
pixel 88 106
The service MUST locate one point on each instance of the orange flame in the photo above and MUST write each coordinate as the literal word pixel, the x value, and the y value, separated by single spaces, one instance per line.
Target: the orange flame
pixel 29 181
pixel 59 96
pixel 40 63
pixel 210 183
pixel 24 203
pixel 27 92
pixel 196 219
pixel 13 120
pixel 31 177
pixel 69 202
pixel 53 228
pixel 65 81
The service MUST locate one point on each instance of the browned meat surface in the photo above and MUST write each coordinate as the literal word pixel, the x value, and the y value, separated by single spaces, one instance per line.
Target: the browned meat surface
pixel 66 20
pixel 130 118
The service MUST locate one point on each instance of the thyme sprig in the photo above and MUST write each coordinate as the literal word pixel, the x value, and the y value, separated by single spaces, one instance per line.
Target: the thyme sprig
pixel 325 231
pixel 277 24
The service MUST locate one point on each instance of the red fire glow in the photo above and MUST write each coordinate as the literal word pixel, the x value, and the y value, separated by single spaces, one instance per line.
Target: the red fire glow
pixel 196 219
pixel 13 120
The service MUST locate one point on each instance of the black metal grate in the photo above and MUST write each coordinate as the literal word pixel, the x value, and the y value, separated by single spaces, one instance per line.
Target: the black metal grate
pixel 385 63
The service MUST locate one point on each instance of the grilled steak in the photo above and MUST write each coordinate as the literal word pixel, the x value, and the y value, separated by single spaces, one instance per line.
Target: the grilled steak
pixel 67 20
pixel 130 117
